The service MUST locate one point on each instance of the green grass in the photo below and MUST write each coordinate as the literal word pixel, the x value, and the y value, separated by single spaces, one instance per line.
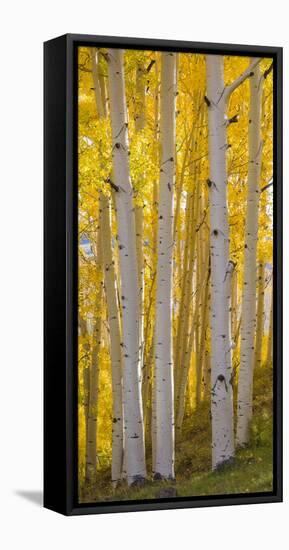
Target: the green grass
pixel 250 472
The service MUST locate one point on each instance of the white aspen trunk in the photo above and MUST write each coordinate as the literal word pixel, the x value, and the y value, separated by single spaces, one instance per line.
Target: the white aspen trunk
pixel 200 278
pixel 148 351
pixel 182 355
pixel 100 104
pixel 111 297
pixel 202 352
pixel 207 361
pixel 221 367
pixel 115 340
pixel 132 399
pixel 163 376
pixel 154 242
pixel 185 283
pixel 139 220
pixel 248 316
pixel 260 315
pixel 139 217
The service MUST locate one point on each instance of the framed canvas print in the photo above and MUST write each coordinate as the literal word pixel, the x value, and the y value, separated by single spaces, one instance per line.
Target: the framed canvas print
pixel 163 274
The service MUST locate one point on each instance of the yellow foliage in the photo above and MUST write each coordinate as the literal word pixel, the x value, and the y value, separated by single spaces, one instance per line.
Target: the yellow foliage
pixel 95 172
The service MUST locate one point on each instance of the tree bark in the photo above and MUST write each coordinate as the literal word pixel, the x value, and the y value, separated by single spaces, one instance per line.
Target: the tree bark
pixel 99 100
pixel 260 315
pixel 163 375
pixel 221 367
pixel 111 296
pixel 115 340
pixel 140 120
pixel 132 399
pixel 217 99
pixel 248 316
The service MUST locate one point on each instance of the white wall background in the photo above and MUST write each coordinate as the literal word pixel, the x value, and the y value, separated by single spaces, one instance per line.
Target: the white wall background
pixel 24 26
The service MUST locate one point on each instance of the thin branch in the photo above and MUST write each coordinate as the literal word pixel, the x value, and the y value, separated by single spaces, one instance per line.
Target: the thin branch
pixel 246 74
pixel 202 221
pixel 266 186
pixel 152 62
pixel 268 71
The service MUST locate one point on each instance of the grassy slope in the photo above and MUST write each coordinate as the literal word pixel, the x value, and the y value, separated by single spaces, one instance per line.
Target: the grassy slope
pixel 250 472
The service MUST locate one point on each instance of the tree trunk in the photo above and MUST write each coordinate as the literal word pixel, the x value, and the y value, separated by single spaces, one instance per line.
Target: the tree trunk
pixel 111 296
pixel 115 340
pixel 202 351
pixel 260 316
pixel 99 100
pixel 163 376
pixel 132 399
pixel 248 316
pixel 139 214
pixel 221 368
pixel 156 153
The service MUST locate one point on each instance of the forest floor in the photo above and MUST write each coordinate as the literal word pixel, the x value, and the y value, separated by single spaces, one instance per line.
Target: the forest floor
pixel 251 471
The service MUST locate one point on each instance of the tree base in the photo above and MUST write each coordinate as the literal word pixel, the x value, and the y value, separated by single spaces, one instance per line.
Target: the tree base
pixel 227 462
pixel 159 477
pixel 138 481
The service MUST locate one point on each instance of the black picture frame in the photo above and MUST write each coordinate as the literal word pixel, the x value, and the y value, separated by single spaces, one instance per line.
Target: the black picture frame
pixel 60 274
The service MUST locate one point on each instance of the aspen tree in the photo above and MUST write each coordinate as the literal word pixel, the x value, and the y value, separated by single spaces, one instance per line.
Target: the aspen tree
pixel 207 346
pixel 132 398
pixel 221 389
pixel 202 352
pixel 148 344
pixel 115 340
pixel 163 376
pixel 111 296
pixel 98 94
pixel 156 152
pixel 221 368
pixel 260 315
pixel 248 315
pixel 139 216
